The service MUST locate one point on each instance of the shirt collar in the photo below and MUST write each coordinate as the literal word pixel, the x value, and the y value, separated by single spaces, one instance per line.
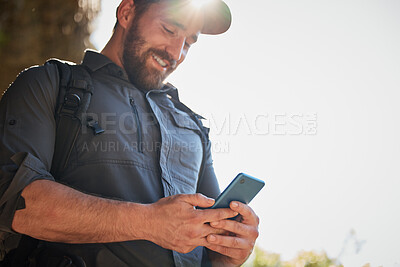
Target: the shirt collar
pixel 95 60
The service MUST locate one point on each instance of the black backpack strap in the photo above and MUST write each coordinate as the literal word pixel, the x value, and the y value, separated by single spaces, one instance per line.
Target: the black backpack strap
pixel 204 131
pixel 74 96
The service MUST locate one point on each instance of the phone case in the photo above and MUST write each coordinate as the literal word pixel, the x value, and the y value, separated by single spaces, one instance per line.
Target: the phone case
pixel 243 188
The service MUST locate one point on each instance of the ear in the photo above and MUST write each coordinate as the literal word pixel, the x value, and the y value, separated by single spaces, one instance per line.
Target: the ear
pixel 125 12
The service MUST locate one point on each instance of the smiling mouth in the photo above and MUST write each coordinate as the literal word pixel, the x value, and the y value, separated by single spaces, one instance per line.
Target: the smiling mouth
pixel 160 61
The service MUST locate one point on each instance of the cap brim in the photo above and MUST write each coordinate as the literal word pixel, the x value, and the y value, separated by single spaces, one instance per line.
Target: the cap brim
pixel 217 17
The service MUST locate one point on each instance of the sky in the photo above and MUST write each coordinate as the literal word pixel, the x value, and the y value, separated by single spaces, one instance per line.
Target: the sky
pixel 303 95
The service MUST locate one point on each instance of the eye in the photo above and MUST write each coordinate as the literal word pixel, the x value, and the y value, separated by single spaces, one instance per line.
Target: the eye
pixel 167 30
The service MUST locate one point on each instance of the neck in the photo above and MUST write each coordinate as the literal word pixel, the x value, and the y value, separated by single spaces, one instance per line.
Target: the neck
pixel 113 49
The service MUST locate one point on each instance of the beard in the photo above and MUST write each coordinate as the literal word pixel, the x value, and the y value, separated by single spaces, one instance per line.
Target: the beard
pixel 135 57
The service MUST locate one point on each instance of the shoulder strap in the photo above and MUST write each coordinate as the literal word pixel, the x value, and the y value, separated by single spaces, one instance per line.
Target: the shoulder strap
pixel 75 91
pixel 204 131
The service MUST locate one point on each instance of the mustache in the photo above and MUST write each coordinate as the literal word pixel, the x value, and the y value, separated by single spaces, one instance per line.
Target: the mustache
pixel 164 55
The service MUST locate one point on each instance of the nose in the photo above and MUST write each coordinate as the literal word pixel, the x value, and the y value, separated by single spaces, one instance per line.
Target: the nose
pixel 176 48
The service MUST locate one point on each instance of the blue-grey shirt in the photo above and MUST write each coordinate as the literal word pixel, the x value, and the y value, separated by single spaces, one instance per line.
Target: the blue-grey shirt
pixel 149 150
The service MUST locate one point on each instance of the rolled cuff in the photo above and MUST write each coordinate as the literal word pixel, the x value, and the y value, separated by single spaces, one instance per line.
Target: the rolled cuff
pixel 27 169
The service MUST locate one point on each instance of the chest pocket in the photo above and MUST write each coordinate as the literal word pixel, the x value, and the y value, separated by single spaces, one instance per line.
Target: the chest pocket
pixel 187 151
pixel 121 140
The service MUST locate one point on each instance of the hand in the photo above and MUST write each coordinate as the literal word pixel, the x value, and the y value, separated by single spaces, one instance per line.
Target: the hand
pixel 174 222
pixel 234 249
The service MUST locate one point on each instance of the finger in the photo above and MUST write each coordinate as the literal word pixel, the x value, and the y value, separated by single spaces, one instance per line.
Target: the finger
pixel 249 216
pixel 198 241
pixel 207 230
pixel 199 200
pixel 240 229
pixel 211 215
pixel 203 242
pixel 228 241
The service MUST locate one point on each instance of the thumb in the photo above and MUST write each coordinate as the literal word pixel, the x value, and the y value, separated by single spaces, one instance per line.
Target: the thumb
pixel 200 200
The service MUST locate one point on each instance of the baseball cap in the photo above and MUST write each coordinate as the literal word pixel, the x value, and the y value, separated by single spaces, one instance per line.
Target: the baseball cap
pixel 217 17
pixel 216 14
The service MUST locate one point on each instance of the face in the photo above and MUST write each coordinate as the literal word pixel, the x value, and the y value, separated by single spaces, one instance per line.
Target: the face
pixel 156 43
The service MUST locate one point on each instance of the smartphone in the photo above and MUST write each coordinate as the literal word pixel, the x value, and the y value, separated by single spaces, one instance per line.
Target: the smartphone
pixel 243 188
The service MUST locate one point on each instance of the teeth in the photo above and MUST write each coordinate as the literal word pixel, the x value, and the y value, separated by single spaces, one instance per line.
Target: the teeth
pixel 160 61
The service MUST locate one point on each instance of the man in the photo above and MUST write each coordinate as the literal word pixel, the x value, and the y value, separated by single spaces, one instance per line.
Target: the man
pixel 128 196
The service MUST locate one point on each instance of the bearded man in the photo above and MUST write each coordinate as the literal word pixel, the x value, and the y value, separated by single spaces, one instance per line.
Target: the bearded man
pixel 128 196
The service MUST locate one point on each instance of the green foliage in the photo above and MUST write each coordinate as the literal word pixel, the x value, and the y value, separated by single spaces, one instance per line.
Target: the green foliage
pixel 303 259
pixel 266 259
pixel 313 259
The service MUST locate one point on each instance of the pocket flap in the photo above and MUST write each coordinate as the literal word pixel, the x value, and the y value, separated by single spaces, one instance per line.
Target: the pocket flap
pixel 183 120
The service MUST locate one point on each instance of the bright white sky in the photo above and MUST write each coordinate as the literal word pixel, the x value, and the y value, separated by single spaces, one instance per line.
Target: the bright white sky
pixel 304 95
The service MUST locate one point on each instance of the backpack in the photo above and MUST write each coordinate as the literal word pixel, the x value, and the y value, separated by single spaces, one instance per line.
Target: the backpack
pixel 75 91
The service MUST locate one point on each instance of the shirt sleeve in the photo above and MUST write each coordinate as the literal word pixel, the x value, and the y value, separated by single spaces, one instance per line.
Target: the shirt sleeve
pixel 208 184
pixel 27 127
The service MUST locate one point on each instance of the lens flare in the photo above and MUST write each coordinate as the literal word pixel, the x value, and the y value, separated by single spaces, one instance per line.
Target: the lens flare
pixel 198 4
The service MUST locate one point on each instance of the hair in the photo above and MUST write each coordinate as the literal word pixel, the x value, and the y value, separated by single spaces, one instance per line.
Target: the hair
pixel 140 7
